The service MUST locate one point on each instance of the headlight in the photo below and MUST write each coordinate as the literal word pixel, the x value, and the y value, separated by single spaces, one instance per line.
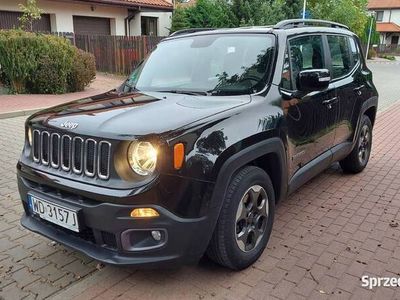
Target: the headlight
pixel 30 136
pixel 142 157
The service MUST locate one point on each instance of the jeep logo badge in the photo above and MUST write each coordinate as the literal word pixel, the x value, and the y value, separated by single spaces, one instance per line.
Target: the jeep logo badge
pixel 69 125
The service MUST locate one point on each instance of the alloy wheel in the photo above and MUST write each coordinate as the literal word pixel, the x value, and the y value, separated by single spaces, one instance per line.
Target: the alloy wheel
pixel 251 218
pixel 364 144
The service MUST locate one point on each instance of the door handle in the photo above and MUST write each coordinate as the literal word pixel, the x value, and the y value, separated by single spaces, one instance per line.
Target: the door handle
pixel 330 101
pixel 358 89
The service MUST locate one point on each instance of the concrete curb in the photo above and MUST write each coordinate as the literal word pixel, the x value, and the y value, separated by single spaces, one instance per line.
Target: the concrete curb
pixel 387 62
pixel 19 113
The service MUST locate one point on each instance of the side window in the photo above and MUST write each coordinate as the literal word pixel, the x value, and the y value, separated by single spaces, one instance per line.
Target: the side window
pixel 340 55
pixel 355 53
pixel 306 53
pixel 286 81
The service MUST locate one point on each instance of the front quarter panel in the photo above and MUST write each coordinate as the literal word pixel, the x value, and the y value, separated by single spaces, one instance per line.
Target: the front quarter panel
pixel 208 145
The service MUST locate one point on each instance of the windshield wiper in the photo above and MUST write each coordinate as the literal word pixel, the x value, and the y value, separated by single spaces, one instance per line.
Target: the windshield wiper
pixel 194 93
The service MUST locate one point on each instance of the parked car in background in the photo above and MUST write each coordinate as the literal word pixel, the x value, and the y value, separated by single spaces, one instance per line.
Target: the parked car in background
pixel 193 152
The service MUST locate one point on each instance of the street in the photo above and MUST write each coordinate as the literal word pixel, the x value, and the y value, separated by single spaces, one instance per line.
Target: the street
pixel 327 235
pixel 386 78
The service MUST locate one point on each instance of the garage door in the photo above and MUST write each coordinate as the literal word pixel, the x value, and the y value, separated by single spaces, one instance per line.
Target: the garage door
pixel 92 25
pixel 9 20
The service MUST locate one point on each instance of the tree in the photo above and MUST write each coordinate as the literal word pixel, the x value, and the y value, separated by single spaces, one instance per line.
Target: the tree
pixel 235 13
pixel 205 14
pixel 352 13
pixel 31 12
pixel 374 34
pixel 229 13
pixel 292 9
pixel 258 12
pixel 179 19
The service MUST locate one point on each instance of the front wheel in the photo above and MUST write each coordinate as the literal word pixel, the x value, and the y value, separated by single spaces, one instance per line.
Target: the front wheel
pixel 245 222
pixel 358 159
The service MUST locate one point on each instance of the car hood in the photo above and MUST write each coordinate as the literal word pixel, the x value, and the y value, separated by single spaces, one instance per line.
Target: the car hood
pixel 124 116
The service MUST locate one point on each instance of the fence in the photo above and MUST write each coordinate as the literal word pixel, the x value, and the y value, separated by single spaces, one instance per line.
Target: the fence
pixel 388 49
pixel 116 54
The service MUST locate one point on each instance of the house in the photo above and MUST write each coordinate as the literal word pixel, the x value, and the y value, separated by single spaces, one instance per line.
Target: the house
pixel 185 3
pixel 95 17
pixel 387 13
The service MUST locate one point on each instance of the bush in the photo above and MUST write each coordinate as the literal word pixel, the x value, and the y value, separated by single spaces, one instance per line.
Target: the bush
pixel 371 53
pixel 388 57
pixel 38 63
pixel 47 78
pixel 83 71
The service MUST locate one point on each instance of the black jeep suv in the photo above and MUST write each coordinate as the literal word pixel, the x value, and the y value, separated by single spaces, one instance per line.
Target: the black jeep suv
pixel 195 149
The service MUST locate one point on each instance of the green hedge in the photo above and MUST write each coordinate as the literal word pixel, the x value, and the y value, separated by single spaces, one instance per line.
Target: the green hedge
pixel 83 70
pixel 42 64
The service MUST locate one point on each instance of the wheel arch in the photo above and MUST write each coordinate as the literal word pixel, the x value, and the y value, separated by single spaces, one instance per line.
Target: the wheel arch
pixel 369 108
pixel 270 155
pixel 371 114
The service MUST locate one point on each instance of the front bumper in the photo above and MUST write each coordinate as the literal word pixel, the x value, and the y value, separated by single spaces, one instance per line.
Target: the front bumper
pixel 108 226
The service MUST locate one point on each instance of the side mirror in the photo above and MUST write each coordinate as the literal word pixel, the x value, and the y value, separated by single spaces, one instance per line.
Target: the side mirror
pixel 313 80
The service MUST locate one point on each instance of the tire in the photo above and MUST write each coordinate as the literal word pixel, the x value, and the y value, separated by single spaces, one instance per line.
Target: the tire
pixel 228 246
pixel 358 159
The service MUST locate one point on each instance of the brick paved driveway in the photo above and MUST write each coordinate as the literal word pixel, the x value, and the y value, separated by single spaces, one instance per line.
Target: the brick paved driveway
pixel 326 236
pixel 29 264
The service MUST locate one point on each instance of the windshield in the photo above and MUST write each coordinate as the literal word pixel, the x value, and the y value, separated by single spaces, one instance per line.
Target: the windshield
pixel 209 64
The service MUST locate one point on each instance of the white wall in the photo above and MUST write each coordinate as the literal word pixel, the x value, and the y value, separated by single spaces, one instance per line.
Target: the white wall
pixel 393 17
pixel 61 16
pixel 163 22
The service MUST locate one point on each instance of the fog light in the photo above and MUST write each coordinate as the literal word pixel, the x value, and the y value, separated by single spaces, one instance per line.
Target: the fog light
pixel 144 213
pixel 156 235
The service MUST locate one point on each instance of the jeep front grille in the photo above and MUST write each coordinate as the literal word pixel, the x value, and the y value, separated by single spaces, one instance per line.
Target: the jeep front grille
pixel 72 154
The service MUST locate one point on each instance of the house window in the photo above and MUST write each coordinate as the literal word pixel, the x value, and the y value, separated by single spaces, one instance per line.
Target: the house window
pixel 379 16
pixel 149 26
pixel 10 20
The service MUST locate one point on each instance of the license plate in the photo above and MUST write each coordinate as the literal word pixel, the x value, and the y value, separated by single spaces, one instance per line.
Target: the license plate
pixel 54 213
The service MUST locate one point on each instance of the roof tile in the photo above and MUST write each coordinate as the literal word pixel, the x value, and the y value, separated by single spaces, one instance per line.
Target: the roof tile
pixel 387 27
pixel 161 3
pixel 374 4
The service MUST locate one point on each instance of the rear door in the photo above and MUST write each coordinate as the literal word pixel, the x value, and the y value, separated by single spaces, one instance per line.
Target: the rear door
pixel 346 74
pixel 310 121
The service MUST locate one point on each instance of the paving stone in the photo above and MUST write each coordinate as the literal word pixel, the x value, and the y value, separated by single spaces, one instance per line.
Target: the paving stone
pixel 78 269
pixel 40 289
pixel 12 291
pixel 61 259
pixel 34 263
pixel 18 253
pixel 23 277
pixel 50 273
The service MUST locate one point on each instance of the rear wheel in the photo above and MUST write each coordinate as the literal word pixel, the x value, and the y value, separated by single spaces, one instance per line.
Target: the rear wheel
pixel 358 159
pixel 245 222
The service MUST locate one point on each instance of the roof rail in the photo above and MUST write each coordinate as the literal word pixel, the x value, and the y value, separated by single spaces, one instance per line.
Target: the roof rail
pixel 190 30
pixel 294 23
